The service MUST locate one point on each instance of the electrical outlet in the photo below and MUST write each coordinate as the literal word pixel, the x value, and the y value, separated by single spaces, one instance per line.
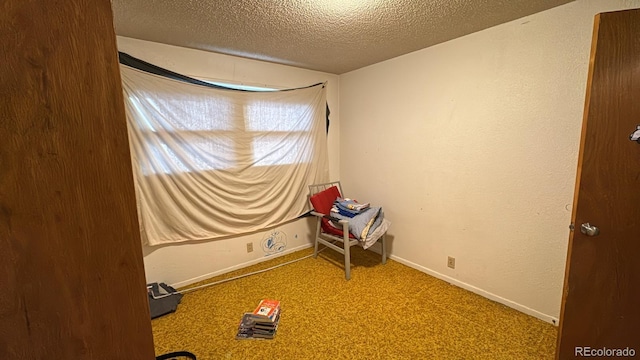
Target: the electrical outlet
pixel 451 262
pixel 249 247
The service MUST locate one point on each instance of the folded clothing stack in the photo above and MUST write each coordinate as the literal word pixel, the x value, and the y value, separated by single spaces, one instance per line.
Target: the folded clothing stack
pixel 348 207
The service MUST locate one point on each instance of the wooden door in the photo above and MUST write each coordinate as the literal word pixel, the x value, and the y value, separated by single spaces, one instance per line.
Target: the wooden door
pixel 601 299
pixel 71 275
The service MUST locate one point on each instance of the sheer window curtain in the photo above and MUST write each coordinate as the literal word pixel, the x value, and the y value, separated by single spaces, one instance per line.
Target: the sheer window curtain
pixel 211 163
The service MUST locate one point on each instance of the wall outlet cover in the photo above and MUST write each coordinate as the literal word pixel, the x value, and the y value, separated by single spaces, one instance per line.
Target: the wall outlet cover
pixel 451 262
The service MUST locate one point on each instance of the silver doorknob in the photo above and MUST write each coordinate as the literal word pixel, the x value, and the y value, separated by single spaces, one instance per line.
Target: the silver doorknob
pixel 589 229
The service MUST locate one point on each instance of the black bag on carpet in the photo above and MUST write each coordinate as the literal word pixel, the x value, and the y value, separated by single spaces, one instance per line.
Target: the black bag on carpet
pixel 163 299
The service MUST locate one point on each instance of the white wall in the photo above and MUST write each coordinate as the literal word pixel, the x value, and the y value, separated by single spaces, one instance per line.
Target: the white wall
pixel 471 147
pixel 185 263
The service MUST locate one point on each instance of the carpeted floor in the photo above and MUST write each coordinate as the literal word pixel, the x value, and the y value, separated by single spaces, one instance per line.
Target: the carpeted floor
pixel 384 312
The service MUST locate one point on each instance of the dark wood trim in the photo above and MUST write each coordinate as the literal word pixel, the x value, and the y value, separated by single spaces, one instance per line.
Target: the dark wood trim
pixel 71 274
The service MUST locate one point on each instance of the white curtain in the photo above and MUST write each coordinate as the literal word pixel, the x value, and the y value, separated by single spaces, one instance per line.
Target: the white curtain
pixel 210 163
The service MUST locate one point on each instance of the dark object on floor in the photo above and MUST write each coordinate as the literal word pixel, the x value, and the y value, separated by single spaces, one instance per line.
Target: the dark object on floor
pixel 177 355
pixel 163 299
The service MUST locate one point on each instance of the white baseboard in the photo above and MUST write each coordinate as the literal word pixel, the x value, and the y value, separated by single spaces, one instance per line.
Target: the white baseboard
pixel 239 266
pixel 483 293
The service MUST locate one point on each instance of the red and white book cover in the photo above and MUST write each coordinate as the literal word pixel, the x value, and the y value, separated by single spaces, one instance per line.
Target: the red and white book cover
pixel 268 309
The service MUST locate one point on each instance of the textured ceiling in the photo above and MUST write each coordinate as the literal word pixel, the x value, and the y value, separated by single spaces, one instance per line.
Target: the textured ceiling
pixel 334 36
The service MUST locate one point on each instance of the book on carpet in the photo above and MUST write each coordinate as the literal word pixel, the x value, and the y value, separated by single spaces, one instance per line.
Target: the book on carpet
pixel 267 310
pixel 250 329
pixel 262 323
